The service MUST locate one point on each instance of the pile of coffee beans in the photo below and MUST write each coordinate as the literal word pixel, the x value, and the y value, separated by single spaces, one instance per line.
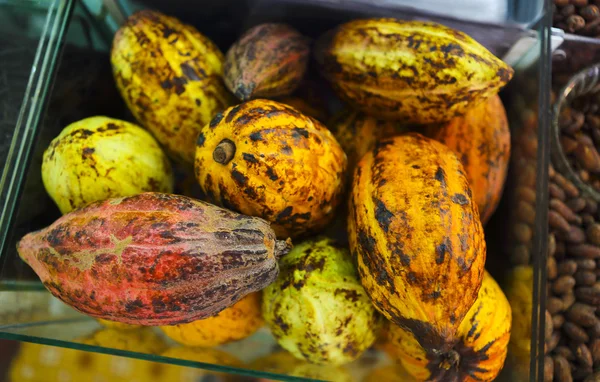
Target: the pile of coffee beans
pixel 572 323
pixel 580 137
pixel 577 16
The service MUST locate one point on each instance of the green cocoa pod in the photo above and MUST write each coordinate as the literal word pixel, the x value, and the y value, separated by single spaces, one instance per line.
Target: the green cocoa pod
pixel 317 308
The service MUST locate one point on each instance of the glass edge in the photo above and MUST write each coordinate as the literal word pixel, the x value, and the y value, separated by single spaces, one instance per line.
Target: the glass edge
pixel 32 108
pixel 151 357
pixel 541 219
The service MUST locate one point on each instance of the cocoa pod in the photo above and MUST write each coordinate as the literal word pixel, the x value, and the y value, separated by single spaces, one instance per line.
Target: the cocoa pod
pixel 584 356
pixel 557 321
pixel 575 332
pixel 563 284
pixel 562 370
pixel 585 278
pixel 576 205
pixel 268 60
pixel 595 350
pixel 589 295
pixel 554 305
pixel 567 267
pixel 582 314
pixel 558 222
pixel 552 271
pixel 560 207
pixel 556 192
pixel 593 233
pixel 548 369
pixel 584 250
pixel 153 259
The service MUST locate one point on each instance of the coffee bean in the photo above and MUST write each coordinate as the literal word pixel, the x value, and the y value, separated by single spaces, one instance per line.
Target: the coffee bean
pixel 522 232
pixel 582 314
pixel 561 250
pixel 583 355
pixel 550 345
pixel 526 212
pixel 548 369
pixel 527 194
pixel 584 175
pixel 575 332
pixel 575 235
pixel 567 267
pixel 588 295
pixel 520 255
pixel 560 207
pixel 587 219
pixel 585 278
pixel 590 12
pixel 558 222
pixel 568 145
pixel 586 264
pixel 595 350
pixel 591 206
pixel 556 192
pixel 562 370
pixel 580 372
pixel 567 11
pixel 561 3
pixel 557 321
pixel 568 299
pixel 595 377
pixel 551 245
pixel 569 188
pixel 552 271
pixel 549 328
pixel 579 3
pixel 594 331
pixel 576 205
pixel 593 233
pixel 584 250
pixel 588 158
pixel 565 351
pixel 563 284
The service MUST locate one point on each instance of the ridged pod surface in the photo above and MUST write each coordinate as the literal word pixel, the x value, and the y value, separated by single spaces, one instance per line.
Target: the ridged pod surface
pixel 268 60
pixel 170 76
pixel 317 309
pixel 481 140
pixel 415 232
pixel 358 133
pixel 479 352
pixel 266 159
pixel 419 72
pixel 153 259
pixel 98 158
pixel 238 321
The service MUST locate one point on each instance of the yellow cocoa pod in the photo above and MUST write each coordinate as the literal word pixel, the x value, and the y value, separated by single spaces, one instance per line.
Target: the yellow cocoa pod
pixel 117 325
pixel 204 355
pixel 389 373
pixel 266 159
pixel 143 340
pixel 519 290
pixel 415 232
pixel 480 348
pixel 170 76
pixel 99 158
pixel 268 60
pixel 285 363
pixel 357 133
pixel 232 324
pixel 420 72
pixel 481 139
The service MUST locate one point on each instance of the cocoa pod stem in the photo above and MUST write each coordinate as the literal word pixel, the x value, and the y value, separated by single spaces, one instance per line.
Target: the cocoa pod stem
pixel 224 152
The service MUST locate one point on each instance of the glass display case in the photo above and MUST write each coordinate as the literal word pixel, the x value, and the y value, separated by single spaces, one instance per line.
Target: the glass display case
pixel 56 70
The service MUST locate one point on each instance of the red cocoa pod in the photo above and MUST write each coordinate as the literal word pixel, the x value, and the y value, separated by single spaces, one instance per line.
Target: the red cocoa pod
pixel 268 60
pixel 153 259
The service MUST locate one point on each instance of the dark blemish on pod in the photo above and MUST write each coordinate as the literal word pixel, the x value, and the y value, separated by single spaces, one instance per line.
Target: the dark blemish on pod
pixel 251 192
pixel 440 175
pixel 244 119
pixel 271 174
pixel 297 131
pixel 285 213
pixel 282 325
pixel 232 113
pixel 249 158
pixel 168 31
pixel 434 295
pixel 133 306
pixel 287 150
pixel 416 167
pixel 440 252
pixel 189 72
pixel 87 152
pixel 201 139
pixel 382 214
pixel 239 178
pixel 256 136
pixel 460 199
pixel 198 102
pixel 216 120
pixel 366 241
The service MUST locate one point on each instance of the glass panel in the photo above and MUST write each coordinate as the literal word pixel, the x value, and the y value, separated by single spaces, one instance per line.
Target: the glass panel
pixel 84 87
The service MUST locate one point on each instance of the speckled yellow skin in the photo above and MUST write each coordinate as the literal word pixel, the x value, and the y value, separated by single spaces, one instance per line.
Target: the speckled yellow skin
pixel 286 364
pixel 416 71
pixel 99 158
pixel 232 324
pixel 171 77
pixel 118 325
pixel 287 168
pixel 482 342
pixel 415 232
pixel 143 340
pixel 357 133
pixel 317 309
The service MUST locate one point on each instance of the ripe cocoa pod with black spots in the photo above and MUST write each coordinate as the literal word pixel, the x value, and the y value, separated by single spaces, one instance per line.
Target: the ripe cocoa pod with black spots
pixel 269 60
pixel 415 231
pixel 266 159
pixel 153 259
